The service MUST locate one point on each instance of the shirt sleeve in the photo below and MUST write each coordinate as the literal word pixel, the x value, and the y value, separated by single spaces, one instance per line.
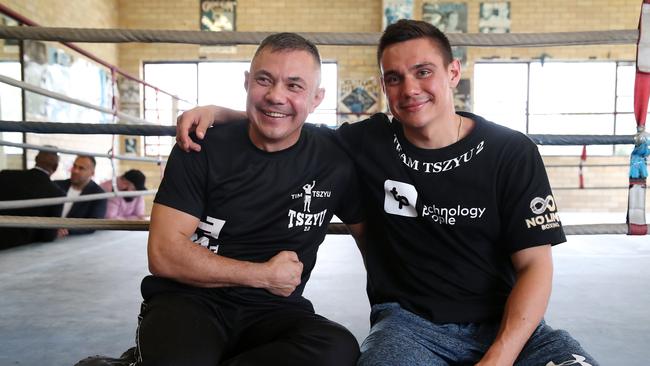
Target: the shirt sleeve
pixel 527 207
pixel 350 208
pixel 184 181
pixel 350 136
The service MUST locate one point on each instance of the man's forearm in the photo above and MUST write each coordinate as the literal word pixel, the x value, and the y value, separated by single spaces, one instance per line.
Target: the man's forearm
pixel 193 264
pixel 523 312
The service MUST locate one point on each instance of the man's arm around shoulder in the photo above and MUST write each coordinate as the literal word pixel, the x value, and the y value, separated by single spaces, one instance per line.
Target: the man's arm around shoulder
pixel 173 255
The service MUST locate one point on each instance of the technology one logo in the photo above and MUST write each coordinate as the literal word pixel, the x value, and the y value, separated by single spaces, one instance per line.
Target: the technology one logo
pixel 400 198
pixel 545 213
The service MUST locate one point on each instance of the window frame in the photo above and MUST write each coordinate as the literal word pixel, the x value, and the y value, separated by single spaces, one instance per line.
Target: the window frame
pixel 617 113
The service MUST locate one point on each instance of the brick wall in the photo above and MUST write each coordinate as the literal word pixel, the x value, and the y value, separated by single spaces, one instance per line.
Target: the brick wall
pixel 73 13
pixel 359 62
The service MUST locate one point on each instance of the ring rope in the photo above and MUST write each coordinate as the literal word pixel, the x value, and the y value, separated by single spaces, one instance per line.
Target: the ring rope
pixel 587 188
pixel 582 139
pixel 64 98
pixel 586 165
pixel 160 130
pixel 88 128
pixel 103 35
pixel 76 152
pixel 143 225
pixel 37 202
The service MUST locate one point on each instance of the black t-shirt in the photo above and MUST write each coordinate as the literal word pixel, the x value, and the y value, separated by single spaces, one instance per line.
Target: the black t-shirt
pixel 253 204
pixel 443 222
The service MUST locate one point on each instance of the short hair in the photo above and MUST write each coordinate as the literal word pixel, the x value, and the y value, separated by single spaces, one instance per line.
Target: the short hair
pixel 286 41
pixel 407 29
pixel 47 159
pixel 91 158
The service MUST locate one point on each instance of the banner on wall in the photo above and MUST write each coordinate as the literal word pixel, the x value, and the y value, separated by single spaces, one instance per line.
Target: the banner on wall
pixel 448 17
pixel 494 18
pixel 57 70
pixel 395 10
pixel 218 15
pixel 358 99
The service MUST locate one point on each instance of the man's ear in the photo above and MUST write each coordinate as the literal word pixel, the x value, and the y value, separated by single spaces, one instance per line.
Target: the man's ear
pixel 318 98
pixel 454 72
pixel 246 76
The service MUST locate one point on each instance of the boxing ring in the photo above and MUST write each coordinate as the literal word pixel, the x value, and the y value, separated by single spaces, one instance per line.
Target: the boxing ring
pixel 123 259
pixel 134 126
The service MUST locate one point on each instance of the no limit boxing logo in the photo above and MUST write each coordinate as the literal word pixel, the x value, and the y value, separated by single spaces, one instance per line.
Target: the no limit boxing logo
pixel 545 211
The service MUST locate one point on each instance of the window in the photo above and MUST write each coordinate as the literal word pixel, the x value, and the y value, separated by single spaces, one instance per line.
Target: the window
pixel 11 104
pixel 177 78
pixel 213 82
pixel 563 98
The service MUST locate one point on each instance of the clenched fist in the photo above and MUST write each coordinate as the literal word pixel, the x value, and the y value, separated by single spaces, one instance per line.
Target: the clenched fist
pixel 283 273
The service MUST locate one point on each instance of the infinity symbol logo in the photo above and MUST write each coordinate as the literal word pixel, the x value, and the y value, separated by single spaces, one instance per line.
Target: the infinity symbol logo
pixel 539 205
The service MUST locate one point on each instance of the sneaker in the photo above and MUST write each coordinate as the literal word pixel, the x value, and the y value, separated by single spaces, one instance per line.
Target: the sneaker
pixel 127 359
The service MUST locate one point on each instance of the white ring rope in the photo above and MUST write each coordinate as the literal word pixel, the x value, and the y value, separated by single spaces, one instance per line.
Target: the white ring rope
pixel 251 38
pixel 72 223
pixel 103 35
pixel 143 225
pixel 75 152
pixel 64 98
pixel 8 205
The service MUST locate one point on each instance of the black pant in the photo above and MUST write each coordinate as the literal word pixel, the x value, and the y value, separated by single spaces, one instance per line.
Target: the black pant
pixel 179 328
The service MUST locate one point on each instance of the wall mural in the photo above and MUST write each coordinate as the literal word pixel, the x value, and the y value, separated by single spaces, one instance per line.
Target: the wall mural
pixel 58 70
pixel 494 18
pixel 358 99
pixel 448 17
pixel 218 15
pixel 395 10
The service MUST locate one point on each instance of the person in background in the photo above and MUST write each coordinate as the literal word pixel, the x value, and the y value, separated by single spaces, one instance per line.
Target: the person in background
pixel 126 208
pixel 30 184
pixel 81 183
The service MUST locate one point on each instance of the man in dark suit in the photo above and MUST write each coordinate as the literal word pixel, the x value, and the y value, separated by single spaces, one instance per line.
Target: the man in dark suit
pixel 29 184
pixel 81 183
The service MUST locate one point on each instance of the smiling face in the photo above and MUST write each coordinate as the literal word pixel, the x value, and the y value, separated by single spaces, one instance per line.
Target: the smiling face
pixel 282 89
pixel 417 82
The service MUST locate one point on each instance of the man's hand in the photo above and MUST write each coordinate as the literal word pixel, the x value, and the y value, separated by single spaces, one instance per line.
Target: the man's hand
pixel 197 120
pixel 284 271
